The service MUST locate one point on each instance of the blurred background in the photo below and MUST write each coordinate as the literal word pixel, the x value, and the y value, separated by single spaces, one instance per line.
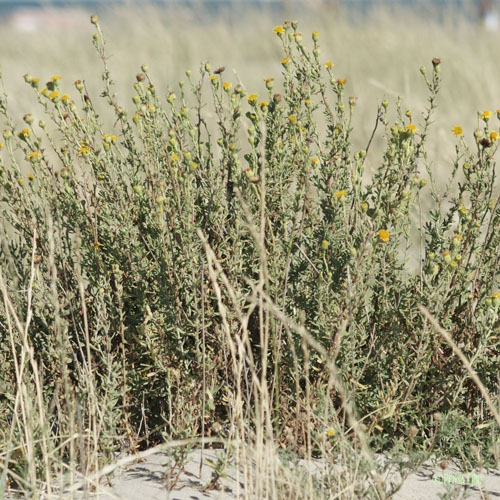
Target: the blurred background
pixel 378 46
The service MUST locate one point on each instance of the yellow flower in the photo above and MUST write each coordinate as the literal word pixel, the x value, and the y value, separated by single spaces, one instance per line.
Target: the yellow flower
pixel 314 161
pixel 384 235
pixel 269 83
pixel 279 30
pixel 486 115
pixel 457 130
pixel 329 64
pixel 44 91
pixel 292 119
pixel 330 432
pixel 109 138
pixel 65 98
pixel 20 180
pixel 341 81
pixel 227 86
pixel 411 128
pixel 84 150
pixel 462 210
pixel 24 134
pixel 496 298
pixel 315 36
pixel 214 79
pixel 324 245
pixel 175 158
pixel 34 81
pixel 33 156
pixel 340 195
pixel 263 104
pixel 493 136
pixel 285 62
pixel 252 98
pixel 1 145
pixel 54 95
pixel 55 78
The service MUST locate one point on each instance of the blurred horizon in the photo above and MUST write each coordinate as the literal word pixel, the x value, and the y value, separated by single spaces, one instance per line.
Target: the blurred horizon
pixel 34 15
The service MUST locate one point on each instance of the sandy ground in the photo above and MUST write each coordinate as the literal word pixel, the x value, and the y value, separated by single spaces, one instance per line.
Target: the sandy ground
pixel 147 479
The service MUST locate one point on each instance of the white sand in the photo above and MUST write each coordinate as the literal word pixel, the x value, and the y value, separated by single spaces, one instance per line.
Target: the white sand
pixel 147 479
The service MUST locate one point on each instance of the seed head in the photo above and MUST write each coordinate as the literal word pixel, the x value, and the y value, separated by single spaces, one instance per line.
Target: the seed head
pixel 412 431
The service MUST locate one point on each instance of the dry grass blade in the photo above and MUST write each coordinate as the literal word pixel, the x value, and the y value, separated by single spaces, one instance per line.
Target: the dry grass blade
pixel 458 352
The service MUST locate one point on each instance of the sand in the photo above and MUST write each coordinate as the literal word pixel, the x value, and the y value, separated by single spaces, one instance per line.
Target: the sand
pixel 150 478
pixel 147 479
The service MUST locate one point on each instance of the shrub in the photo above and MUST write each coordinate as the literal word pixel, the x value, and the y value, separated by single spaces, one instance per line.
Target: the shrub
pixel 210 263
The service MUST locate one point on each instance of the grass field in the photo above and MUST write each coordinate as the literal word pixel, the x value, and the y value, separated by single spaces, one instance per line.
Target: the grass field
pixel 234 257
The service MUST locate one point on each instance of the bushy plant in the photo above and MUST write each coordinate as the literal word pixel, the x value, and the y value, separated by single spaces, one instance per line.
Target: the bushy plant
pixel 204 266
